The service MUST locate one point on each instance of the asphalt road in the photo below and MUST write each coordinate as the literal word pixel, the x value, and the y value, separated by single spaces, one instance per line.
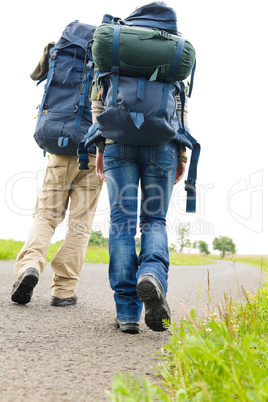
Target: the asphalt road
pixel 71 354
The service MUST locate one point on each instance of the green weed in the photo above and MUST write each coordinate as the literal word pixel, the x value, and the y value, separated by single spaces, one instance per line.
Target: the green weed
pixel 128 390
pixel 221 358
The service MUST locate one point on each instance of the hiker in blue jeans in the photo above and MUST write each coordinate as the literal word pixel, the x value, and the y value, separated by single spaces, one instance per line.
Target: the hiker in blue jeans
pixel 137 279
pixel 123 106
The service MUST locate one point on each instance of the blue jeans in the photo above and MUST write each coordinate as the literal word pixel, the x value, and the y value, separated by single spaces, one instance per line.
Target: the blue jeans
pixel 126 166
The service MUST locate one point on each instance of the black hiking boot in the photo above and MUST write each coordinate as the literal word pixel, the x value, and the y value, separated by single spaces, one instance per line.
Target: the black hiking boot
pixel 156 308
pixel 64 302
pixel 23 288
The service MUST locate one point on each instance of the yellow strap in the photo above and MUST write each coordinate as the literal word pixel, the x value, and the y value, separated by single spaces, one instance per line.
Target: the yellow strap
pixel 44 111
pixel 99 92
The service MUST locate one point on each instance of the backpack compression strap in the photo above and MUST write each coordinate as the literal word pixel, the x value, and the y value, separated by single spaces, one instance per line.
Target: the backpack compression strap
pixel 87 79
pixel 169 79
pixel 115 66
pixel 49 79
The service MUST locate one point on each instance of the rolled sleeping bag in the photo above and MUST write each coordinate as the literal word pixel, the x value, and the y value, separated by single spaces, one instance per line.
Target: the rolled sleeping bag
pixel 142 52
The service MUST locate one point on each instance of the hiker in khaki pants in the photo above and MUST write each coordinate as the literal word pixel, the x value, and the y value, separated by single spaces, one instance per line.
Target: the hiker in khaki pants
pixel 63 184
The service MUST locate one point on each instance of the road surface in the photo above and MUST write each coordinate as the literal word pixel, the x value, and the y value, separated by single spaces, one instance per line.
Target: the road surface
pixel 72 353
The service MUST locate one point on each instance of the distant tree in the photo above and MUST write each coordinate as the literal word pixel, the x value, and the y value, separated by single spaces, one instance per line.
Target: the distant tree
pixel 97 239
pixel 183 236
pixel 172 247
pixel 224 244
pixel 202 246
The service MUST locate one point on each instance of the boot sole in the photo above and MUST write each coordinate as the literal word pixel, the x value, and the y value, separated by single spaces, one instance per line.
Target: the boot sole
pixel 57 302
pixel 156 307
pixel 128 327
pixel 23 288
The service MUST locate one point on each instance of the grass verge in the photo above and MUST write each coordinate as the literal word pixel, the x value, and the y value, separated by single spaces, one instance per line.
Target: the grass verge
pixel 9 250
pixel 188 259
pixel 222 358
pixel 259 261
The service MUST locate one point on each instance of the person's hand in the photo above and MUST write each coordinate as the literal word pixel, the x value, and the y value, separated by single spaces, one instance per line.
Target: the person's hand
pixel 180 170
pixel 99 165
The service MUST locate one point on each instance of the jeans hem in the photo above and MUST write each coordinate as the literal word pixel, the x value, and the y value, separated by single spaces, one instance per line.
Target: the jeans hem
pixel 122 318
pixel 156 276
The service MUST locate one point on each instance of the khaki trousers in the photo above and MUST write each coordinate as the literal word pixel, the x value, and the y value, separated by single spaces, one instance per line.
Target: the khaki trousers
pixel 63 184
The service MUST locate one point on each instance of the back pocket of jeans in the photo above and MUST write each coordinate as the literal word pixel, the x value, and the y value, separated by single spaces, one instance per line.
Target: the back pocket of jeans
pixel 113 156
pixel 162 161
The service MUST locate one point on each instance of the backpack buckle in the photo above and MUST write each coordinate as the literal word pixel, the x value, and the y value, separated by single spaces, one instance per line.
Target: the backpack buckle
pixel 164 34
pixel 190 185
pixel 53 54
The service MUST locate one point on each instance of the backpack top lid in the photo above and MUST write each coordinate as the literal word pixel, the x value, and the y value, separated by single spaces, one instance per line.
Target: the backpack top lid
pixel 155 15
pixel 76 33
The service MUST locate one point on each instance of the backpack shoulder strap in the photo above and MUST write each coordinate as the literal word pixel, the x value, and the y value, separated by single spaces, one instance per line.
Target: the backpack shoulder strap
pixel 87 79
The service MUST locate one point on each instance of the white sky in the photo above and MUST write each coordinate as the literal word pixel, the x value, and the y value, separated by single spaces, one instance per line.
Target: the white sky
pixel 227 115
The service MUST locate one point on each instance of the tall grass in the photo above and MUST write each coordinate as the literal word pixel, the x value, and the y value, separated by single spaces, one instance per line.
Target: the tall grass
pixel 221 358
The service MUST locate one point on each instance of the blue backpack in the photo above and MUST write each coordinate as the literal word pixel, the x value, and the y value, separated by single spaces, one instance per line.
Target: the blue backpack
pixel 139 111
pixel 65 111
